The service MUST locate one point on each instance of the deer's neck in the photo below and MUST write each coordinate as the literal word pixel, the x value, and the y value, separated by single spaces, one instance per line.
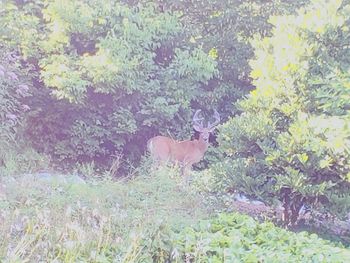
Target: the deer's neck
pixel 202 144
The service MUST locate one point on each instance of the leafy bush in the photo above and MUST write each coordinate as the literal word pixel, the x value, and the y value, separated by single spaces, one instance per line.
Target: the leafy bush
pixel 238 238
pixel 112 74
pixel 291 142
pixel 118 73
pixel 13 88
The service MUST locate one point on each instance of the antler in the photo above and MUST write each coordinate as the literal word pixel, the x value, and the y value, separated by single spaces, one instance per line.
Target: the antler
pixel 197 121
pixel 216 122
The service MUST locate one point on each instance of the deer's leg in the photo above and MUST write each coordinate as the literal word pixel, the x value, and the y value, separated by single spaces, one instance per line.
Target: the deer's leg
pixel 185 173
pixel 184 169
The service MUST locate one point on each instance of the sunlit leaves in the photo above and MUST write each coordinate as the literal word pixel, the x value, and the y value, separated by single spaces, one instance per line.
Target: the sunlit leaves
pixel 70 16
pixel 20 28
pixel 62 73
pixel 213 53
pixel 236 238
pixel 200 67
pixel 301 74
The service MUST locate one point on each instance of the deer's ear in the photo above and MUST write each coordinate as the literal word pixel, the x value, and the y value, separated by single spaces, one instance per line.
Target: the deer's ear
pixel 197 128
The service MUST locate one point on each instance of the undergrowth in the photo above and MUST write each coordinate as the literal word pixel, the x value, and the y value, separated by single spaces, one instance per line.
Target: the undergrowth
pixel 153 218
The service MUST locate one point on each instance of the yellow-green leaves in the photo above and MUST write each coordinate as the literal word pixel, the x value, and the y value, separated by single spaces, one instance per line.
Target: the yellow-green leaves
pixel 213 53
pixel 301 74
pixel 303 158
pixel 195 65
pixel 61 72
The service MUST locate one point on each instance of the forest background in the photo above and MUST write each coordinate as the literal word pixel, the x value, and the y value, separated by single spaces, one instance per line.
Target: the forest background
pixel 85 84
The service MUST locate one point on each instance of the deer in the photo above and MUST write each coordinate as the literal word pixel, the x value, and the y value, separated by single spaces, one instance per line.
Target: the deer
pixel 184 153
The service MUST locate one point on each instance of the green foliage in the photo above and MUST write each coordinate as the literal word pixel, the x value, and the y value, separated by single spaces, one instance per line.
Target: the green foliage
pixel 238 238
pixel 292 139
pixel 49 217
pixel 13 88
pixel 223 28
pixel 125 71
pixel 21 26
pixel 19 159
pixel 151 218
pixel 129 69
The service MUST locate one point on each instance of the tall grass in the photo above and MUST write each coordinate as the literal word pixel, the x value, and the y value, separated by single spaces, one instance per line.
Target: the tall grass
pixel 154 216
pixel 16 159
pixel 61 220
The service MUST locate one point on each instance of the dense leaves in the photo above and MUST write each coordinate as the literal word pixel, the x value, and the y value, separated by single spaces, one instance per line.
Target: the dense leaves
pixel 237 238
pixel 130 69
pixel 122 69
pixel 14 87
pixel 292 139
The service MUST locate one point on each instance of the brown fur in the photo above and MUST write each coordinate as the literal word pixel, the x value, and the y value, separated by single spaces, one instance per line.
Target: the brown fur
pixel 185 153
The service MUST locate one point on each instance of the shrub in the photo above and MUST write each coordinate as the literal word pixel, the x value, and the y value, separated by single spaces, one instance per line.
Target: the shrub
pixel 13 88
pixel 117 74
pixel 112 74
pixel 291 141
pixel 239 238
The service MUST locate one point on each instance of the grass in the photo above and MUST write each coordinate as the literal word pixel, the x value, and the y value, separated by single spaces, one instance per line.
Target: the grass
pixel 60 220
pixel 148 218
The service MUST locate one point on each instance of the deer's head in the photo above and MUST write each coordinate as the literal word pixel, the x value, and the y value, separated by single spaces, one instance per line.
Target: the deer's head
pixel 204 132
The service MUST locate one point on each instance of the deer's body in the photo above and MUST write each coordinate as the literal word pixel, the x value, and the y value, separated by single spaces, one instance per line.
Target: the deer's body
pixel 185 153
